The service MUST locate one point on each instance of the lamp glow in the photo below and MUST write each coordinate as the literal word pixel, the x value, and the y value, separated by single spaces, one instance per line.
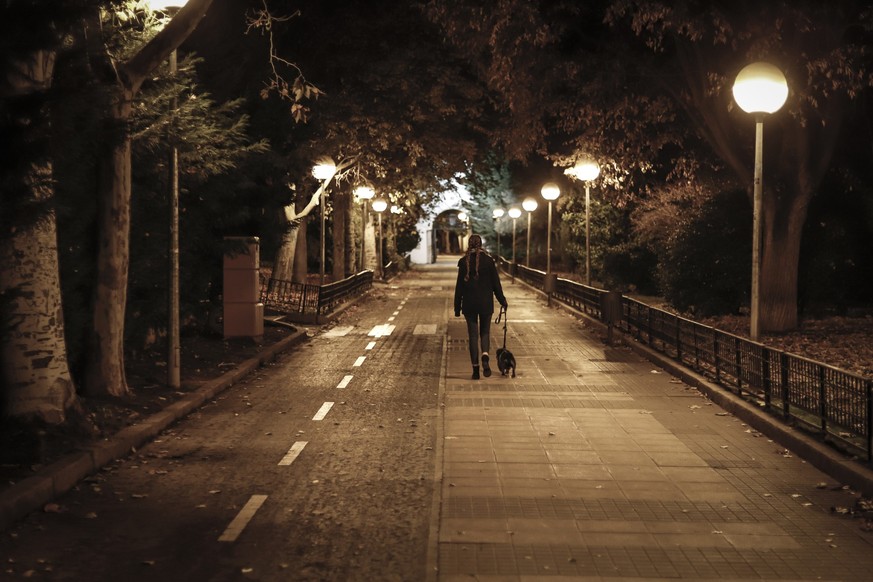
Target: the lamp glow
pixel 514 212
pixel 529 204
pixel 550 191
pixel 379 204
pixel 760 88
pixel 586 170
pixel 324 169
pixel 497 213
pixel 364 192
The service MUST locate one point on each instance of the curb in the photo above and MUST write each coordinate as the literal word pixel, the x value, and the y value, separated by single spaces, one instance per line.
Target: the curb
pixel 61 476
pixel 826 459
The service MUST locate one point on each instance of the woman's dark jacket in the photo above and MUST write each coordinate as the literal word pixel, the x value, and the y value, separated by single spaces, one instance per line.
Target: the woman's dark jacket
pixel 476 295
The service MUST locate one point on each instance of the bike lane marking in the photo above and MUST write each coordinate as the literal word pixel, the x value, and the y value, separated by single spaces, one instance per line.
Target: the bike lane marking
pixel 242 518
pixel 345 381
pixel 293 453
pixel 322 412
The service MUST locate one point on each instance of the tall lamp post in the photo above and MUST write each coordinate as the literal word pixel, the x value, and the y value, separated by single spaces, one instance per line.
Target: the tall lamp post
pixel 379 206
pixel 364 193
pixel 760 88
pixel 586 170
pixel 514 213
pixel 529 204
pixel 550 191
pixel 323 170
pixel 174 349
pixel 497 214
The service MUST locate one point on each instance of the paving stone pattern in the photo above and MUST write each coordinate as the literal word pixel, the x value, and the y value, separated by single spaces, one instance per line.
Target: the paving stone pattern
pixel 595 465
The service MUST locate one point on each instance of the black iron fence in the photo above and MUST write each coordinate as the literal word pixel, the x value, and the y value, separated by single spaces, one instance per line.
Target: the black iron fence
pixel 304 302
pixel 835 403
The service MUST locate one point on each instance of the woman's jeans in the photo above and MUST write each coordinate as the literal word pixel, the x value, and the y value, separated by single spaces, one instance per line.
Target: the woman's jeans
pixel 479 331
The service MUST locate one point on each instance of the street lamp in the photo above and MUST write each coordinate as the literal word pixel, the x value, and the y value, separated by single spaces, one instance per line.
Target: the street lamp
pixel 323 170
pixel 174 349
pixel 586 170
pixel 514 213
pixel 379 206
pixel 760 88
pixel 550 191
pixel 497 214
pixel 364 193
pixel 529 204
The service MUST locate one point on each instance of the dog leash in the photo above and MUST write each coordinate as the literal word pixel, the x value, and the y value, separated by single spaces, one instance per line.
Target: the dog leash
pixel 502 315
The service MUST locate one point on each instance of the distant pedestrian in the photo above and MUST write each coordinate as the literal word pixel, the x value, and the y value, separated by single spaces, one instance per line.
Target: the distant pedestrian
pixel 478 284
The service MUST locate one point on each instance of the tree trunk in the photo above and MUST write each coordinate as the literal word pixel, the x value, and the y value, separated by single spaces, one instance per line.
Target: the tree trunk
pixel 105 366
pixel 301 253
pixel 780 259
pixel 283 265
pixel 33 354
pixel 339 225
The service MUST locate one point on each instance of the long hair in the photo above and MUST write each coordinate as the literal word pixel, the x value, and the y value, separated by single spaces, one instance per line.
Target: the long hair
pixel 474 248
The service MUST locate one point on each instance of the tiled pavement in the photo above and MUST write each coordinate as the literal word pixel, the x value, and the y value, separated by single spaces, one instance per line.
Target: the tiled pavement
pixel 594 465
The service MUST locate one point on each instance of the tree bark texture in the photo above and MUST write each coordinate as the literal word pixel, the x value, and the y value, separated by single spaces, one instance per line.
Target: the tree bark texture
pixel 339 224
pixel 301 252
pixel 34 371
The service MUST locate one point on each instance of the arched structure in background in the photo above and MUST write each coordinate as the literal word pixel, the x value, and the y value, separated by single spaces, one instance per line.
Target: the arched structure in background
pixel 441 231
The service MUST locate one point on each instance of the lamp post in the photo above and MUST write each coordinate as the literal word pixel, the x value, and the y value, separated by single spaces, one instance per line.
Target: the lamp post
pixel 174 348
pixel 323 170
pixel 379 206
pixel 497 214
pixel 364 193
pixel 514 213
pixel 529 204
pixel 550 191
pixel 759 88
pixel 586 170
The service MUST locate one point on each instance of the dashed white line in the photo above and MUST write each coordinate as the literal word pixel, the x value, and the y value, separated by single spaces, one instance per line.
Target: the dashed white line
pixel 292 453
pixel 370 346
pixel 345 381
pixel 396 312
pixel 242 518
pixel 380 330
pixel 359 361
pixel 391 318
pixel 322 412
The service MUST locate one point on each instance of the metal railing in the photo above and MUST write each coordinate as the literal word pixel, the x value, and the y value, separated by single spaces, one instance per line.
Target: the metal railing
pixel 304 302
pixel 836 403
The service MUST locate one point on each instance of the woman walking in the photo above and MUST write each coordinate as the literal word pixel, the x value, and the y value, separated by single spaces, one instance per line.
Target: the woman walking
pixel 478 283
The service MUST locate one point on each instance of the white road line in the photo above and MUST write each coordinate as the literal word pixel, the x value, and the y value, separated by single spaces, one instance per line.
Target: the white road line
pixel 380 330
pixel 400 307
pixel 370 346
pixel 338 331
pixel 242 518
pixel 345 381
pixel 391 318
pixel 396 312
pixel 322 412
pixel 359 361
pixel 292 453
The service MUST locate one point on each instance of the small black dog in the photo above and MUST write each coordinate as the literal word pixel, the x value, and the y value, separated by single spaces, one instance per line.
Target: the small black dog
pixel 505 361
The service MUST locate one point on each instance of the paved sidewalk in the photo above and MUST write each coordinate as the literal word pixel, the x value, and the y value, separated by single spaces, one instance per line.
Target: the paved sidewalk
pixel 593 464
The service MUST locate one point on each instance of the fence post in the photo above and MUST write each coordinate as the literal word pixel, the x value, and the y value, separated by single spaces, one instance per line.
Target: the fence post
pixel 869 421
pixel 649 324
pixel 783 378
pixel 696 348
pixel 678 339
pixel 716 361
pixel 765 376
pixel 822 400
pixel 738 366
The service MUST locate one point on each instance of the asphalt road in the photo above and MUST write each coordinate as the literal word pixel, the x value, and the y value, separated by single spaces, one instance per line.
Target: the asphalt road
pixel 320 466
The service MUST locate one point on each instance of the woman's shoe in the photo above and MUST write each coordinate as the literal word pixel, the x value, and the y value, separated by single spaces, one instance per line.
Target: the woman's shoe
pixel 486 369
pixel 475 372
